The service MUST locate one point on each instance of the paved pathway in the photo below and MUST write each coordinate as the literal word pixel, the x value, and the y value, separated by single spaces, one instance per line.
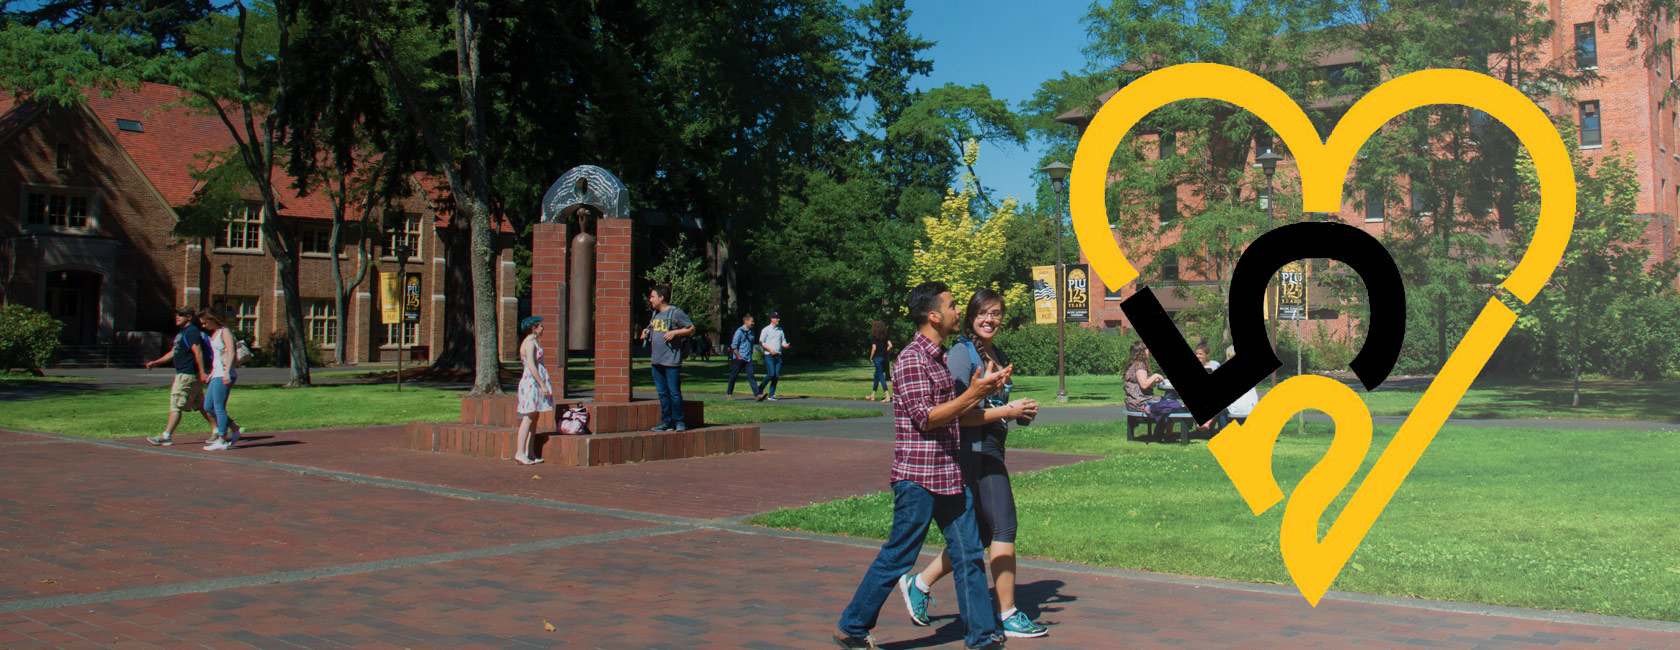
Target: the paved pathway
pixel 339 539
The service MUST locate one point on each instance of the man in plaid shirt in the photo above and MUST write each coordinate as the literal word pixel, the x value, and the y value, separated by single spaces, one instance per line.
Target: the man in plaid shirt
pixel 926 479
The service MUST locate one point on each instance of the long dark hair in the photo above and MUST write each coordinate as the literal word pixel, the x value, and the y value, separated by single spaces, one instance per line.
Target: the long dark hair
pixel 1140 351
pixel 878 329
pixel 981 298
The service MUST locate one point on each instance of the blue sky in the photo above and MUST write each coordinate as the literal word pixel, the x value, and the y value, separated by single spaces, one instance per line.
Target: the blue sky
pixel 1011 47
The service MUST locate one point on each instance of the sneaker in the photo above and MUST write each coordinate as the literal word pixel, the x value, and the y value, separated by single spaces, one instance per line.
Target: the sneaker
pixel 773 398
pixel 995 644
pixel 217 445
pixel 682 426
pixel 161 441
pixel 760 397
pixel 854 642
pixel 915 600
pixel 662 427
pixel 1018 626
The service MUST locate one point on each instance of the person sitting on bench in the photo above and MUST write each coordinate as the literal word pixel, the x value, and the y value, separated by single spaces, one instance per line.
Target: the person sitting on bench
pixel 1140 383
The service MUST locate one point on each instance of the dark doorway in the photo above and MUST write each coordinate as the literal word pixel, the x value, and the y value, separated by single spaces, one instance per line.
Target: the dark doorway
pixel 73 298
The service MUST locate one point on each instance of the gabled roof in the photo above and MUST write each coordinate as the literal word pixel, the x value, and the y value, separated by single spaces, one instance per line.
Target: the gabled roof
pixel 14 114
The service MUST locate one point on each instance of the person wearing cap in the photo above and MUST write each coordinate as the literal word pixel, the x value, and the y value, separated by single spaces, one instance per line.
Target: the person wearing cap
pixel 774 342
pixel 536 395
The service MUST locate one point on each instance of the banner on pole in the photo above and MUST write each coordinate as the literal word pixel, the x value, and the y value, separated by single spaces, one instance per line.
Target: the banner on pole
pixel 1077 308
pixel 390 305
pixel 411 298
pixel 1292 291
pixel 1044 294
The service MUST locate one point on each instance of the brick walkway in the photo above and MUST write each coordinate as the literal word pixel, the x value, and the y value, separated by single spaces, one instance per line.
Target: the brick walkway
pixel 338 539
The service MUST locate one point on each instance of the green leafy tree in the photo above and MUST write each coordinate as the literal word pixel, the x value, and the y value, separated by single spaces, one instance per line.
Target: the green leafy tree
pixel 1602 275
pixel 962 250
pixel 692 290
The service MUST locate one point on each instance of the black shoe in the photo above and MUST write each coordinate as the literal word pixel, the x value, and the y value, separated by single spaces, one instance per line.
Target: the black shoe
pixel 854 642
pixel 995 644
pixel 760 397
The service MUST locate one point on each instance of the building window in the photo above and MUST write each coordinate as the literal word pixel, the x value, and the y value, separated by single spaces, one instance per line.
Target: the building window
pixel 1374 208
pixel 1420 200
pixel 321 319
pixel 1169 269
pixel 317 240
pixel 407 231
pixel 63 156
pixel 243 231
pixel 58 211
pixel 241 313
pixel 1591 136
pixel 410 332
pixel 1586 45
pixel 1167 208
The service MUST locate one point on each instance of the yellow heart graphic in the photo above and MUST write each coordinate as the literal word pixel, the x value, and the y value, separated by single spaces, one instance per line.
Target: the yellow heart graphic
pixel 1245 451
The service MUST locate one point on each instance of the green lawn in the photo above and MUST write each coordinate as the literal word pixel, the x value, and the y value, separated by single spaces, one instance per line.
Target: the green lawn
pixel 1569 520
pixel 1601 399
pixel 142 411
pixel 23 379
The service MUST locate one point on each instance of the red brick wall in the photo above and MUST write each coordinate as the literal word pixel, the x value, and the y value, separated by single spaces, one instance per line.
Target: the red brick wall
pixel 613 329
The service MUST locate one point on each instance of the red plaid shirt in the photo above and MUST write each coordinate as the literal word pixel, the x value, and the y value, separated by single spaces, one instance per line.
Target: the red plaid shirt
pixel 927 456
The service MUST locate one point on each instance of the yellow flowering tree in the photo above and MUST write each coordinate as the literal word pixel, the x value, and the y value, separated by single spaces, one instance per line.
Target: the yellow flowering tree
pixel 964 251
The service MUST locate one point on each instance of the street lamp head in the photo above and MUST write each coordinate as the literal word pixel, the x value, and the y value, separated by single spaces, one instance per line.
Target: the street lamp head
pixel 402 252
pixel 1057 171
pixel 227 268
pixel 1268 162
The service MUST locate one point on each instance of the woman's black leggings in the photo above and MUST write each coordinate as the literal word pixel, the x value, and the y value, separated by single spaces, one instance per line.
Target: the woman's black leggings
pixel 994 503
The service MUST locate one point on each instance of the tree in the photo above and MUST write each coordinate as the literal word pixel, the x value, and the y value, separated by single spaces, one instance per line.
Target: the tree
pixel 685 273
pixel 1182 178
pixel 964 252
pixel 233 67
pixel 1603 271
pixel 1452 168
pixel 890 57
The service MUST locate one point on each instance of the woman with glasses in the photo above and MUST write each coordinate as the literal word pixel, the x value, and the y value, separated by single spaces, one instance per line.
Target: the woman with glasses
pixel 983 470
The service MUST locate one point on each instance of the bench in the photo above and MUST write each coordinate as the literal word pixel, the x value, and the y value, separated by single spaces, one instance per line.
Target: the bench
pixel 1184 421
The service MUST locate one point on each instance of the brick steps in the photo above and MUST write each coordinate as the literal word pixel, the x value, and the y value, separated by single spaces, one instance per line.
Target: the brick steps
pixel 584 451
pixel 604 417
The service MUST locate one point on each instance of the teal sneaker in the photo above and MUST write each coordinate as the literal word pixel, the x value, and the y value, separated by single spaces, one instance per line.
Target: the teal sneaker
pixel 1020 627
pixel 916 600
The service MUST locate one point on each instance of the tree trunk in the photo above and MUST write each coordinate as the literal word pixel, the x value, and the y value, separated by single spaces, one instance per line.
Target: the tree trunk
pixel 458 341
pixel 488 365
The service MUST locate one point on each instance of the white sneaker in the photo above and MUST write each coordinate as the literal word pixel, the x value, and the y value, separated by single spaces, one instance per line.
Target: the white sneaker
pixel 218 445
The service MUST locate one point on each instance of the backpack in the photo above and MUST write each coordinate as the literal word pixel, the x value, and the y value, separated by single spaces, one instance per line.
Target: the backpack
pixel 575 421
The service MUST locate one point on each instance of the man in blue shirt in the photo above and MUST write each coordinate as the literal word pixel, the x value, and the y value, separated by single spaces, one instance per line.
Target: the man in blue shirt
pixel 741 356
pixel 191 353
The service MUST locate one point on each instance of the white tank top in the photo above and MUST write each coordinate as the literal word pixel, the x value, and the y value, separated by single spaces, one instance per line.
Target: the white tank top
pixel 220 357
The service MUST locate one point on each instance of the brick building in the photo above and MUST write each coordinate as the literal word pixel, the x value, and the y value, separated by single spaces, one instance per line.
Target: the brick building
pixel 88 199
pixel 1623 108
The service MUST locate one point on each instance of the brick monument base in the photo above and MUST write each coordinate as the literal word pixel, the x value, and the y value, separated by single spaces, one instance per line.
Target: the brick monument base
pixel 489 424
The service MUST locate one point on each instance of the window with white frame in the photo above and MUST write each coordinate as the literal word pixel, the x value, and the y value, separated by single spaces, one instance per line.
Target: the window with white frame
pixel 320 318
pixel 55 210
pixel 410 334
pixel 1375 210
pixel 406 231
pixel 243 231
pixel 241 313
pixel 315 239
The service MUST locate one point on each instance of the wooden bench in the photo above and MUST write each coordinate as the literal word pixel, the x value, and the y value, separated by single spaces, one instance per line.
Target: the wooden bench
pixel 1184 421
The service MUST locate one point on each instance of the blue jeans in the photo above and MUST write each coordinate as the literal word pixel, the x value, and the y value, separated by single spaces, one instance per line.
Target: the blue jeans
pixel 772 372
pixel 668 383
pixel 880 375
pixel 735 368
pixel 215 403
pixel 913 508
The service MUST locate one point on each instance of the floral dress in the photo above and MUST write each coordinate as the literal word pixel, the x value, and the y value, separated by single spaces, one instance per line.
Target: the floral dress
pixel 532 399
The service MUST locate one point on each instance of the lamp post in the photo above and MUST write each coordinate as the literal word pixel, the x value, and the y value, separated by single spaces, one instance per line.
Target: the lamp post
pixel 226 269
pixel 402 251
pixel 1058 171
pixel 1267 162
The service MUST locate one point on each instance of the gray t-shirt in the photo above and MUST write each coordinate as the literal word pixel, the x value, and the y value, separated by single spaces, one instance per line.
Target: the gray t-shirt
pixel 988 439
pixel 667 353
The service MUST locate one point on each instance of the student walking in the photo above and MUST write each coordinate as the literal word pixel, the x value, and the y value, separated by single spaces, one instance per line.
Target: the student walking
pixel 879 349
pixel 222 377
pixel 927 479
pixel 774 342
pixel 983 470
pixel 741 357
pixel 666 334
pixel 536 395
pixel 190 352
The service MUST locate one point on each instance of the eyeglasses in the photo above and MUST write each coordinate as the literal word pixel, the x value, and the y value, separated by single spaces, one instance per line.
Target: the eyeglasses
pixel 990 314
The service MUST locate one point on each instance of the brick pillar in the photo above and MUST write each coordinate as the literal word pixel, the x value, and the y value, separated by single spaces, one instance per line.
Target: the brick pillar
pixel 548 272
pixel 613 329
